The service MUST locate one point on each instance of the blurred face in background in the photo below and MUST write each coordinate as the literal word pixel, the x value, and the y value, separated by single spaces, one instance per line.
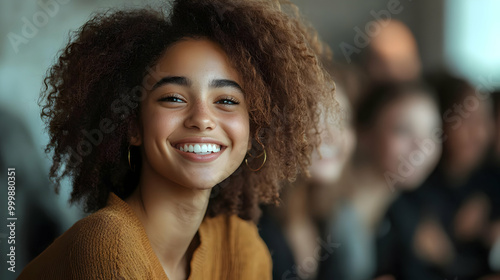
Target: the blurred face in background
pixel 401 141
pixel 468 137
pixel 394 54
pixel 337 144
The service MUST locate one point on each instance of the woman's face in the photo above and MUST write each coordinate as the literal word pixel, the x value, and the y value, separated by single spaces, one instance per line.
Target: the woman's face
pixel 336 147
pixel 403 142
pixel 194 121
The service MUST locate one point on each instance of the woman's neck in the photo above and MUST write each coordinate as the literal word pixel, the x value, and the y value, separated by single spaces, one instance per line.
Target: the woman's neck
pixel 171 215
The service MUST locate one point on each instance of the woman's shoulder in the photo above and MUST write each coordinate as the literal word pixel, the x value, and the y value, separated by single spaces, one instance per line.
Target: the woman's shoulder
pixel 113 224
pixel 110 235
pixel 116 216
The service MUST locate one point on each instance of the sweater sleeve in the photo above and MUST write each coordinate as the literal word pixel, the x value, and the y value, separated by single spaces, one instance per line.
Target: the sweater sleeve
pixel 94 253
pixel 82 252
pixel 112 250
pixel 102 246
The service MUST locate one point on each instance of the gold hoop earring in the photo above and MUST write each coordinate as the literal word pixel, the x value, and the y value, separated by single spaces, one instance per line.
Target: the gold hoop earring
pixel 263 161
pixel 128 156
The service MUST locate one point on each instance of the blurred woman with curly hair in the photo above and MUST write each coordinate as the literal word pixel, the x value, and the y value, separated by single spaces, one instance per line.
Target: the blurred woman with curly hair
pixel 173 129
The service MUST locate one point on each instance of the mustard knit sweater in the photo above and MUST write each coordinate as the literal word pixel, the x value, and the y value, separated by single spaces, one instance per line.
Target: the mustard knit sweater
pixel 112 244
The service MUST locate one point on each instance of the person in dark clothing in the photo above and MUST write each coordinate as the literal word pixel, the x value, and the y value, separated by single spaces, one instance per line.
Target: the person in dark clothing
pixel 297 232
pixel 438 231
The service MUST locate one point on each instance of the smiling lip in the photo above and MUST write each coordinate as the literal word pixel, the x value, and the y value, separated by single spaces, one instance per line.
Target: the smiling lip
pixel 199 157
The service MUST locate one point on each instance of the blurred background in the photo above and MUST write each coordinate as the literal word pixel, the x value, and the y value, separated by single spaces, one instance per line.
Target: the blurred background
pixel 406 187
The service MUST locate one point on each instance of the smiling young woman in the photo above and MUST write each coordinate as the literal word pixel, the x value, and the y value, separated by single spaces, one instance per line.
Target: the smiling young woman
pixel 174 128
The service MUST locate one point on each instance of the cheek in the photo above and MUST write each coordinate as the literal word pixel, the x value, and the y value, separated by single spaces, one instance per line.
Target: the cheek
pixel 349 143
pixel 392 147
pixel 432 158
pixel 157 124
pixel 238 129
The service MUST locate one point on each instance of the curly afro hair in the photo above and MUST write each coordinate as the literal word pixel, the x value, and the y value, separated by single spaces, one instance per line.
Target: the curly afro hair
pixel 90 98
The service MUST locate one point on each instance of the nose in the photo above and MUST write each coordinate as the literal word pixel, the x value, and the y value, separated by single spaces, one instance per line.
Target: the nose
pixel 200 117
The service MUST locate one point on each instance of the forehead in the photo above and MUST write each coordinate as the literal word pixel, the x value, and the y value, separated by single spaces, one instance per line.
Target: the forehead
pixel 417 108
pixel 194 57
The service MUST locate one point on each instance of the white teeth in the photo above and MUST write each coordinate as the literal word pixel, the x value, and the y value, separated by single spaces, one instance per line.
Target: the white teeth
pixel 201 148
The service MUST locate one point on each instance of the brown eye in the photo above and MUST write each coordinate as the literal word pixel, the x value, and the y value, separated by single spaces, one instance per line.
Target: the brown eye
pixel 172 99
pixel 228 101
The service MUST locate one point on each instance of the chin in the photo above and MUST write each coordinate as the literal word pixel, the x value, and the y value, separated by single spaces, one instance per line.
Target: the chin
pixel 200 185
pixel 411 184
pixel 325 177
pixel 202 182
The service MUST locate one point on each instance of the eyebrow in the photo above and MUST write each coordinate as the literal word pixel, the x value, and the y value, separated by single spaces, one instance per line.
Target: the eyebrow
pixel 176 80
pixel 183 81
pixel 220 83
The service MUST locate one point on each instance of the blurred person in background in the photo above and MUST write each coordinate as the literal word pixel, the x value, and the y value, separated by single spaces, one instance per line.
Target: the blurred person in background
pixel 438 231
pixel 493 169
pixel 39 221
pixel 297 232
pixel 496 110
pixel 392 54
pixel 395 154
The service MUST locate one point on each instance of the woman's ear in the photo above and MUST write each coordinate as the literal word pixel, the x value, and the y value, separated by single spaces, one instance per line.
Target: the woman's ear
pixel 135 141
pixel 135 132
